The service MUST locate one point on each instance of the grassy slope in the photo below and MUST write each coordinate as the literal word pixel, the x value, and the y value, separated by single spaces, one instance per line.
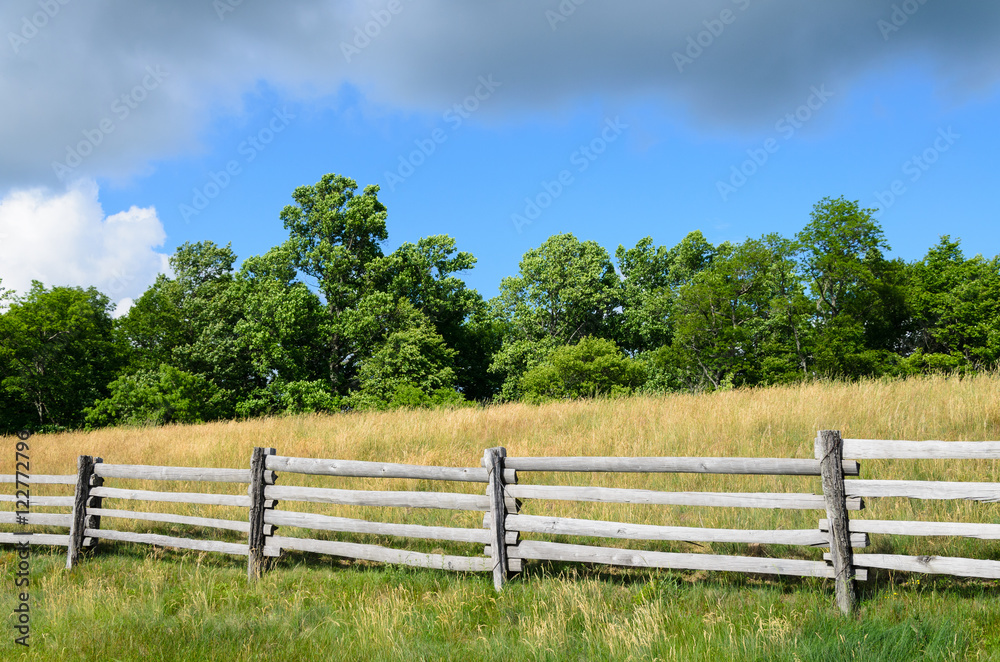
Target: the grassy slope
pixel 142 603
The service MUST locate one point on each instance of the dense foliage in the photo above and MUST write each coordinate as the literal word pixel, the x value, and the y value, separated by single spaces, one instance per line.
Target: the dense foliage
pixel 327 322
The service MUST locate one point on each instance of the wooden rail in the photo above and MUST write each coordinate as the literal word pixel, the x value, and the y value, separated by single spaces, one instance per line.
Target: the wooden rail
pixel 498 547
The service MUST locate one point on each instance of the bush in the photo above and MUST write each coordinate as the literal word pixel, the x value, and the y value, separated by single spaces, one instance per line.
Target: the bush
pixel 157 397
pixel 281 397
pixel 594 366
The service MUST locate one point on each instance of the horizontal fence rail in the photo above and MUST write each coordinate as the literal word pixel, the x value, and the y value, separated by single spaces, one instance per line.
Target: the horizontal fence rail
pixel 601 529
pixel 358 469
pixel 878 449
pixel 721 499
pixel 509 537
pixel 42 479
pixel 145 472
pixel 698 465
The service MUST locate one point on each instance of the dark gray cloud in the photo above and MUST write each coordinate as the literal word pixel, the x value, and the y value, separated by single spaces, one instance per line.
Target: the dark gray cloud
pixel 69 74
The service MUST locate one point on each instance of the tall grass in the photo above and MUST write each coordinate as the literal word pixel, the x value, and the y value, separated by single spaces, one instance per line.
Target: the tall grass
pixel 136 602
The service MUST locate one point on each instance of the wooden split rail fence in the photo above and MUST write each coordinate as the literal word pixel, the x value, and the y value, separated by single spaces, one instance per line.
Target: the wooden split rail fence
pixel 503 548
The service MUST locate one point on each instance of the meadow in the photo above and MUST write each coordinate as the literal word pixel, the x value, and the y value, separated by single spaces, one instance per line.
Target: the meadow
pixel 136 602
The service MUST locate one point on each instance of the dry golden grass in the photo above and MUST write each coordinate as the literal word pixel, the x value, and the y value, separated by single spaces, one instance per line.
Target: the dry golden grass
pixel 772 422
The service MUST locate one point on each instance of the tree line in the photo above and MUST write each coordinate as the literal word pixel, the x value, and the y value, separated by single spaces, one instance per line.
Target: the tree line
pixel 327 321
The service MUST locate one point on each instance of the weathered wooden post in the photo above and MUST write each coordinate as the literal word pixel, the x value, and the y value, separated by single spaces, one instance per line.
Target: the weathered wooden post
pixel 493 460
pixel 256 563
pixel 830 453
pixel 94 521
pixel 81 497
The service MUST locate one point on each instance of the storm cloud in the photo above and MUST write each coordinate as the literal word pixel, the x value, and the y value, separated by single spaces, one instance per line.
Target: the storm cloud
pixel 133 83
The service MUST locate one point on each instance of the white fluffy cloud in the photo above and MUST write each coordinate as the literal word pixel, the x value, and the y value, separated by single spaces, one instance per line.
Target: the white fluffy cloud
pixel 66 239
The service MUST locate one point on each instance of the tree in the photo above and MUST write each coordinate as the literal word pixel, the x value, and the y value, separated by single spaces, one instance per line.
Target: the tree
pixel 190 322
pixel 565 290
pixel 858 295
pixel 58 351
pixel 650 277
pixel 424 275
pixel 955 304
pixel 334 236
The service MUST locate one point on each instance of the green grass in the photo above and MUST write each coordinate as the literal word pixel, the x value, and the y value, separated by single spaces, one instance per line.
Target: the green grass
pixel 135 603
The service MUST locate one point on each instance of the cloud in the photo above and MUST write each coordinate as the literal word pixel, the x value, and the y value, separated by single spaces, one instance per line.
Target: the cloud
pixel 64 74
pixel 65 239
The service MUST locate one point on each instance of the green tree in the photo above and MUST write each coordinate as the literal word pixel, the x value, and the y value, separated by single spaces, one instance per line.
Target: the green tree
pixel 58 351
pixel 860 312
pixel 956 310
pixel 424 274
pixel 189 321
pixel 334 236
pixel 650 277
pixel 412 367
pixel 565 290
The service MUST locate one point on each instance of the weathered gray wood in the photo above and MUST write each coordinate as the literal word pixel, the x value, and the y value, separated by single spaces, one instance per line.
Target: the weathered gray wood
pixel 349 525
pixel 42 479
pixel 60 540
pixel 381 554
pixel 534 549
pixel 830 447
pixel 173 497
pixel 41 500
pixel 94 521
pixel 40 519
pixel 358 469
pixel 726 499
pixel 171 541
pixel 885 449
pixel 149 472
pixel 493 461
pixel 705 465
pixel 256 536
pixel 905 528
pixel 924 489
pixel 85 470
pixel 208 522
pixel 935 565
pixel 601 529
pixel 445 500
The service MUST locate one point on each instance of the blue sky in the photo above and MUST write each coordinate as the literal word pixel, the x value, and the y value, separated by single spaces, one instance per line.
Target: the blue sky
pixel 467 115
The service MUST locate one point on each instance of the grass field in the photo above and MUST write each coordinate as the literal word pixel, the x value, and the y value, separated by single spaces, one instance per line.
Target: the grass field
pixel 133 602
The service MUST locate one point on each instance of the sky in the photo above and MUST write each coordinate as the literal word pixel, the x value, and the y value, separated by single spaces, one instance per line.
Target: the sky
pixel 129 129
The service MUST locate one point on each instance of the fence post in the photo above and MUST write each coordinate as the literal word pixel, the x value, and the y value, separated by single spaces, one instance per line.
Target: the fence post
pixel 94 521
pixel 78 523
pixel 256 564
pixel 830 453
pixel 493 460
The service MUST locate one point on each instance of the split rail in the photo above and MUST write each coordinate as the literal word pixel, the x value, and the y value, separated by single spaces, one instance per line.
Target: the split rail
pixel 514 527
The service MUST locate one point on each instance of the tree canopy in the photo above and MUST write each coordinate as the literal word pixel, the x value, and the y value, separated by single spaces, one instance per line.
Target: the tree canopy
pixel 326 321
